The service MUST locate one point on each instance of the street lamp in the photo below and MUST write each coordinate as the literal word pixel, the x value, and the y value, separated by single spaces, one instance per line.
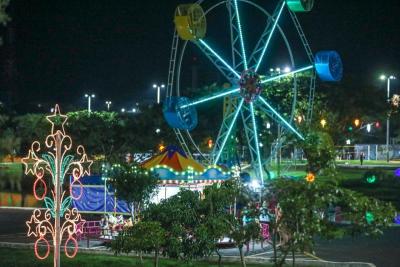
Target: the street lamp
pixel 158 87
pixel 89 97
pixel 108 103
pixel 323 123
pixel 387 78
pixel 357 122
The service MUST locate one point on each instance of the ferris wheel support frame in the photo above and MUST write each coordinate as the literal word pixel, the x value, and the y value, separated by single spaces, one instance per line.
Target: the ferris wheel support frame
pixel 240 63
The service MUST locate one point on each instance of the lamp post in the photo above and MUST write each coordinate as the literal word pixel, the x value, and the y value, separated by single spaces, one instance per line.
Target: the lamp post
pixel 89 97
pixel 387 78
pixel 108 103
pixel 158 87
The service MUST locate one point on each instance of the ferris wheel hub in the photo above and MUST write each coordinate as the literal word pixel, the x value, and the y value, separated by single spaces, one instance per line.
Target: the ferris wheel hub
pixel 250 85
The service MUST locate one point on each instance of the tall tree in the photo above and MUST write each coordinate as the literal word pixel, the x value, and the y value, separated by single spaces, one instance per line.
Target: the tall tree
pixel 133 184
pixel 303 213
pixel 4 18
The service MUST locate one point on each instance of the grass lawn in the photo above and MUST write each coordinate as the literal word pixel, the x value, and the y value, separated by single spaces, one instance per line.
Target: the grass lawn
pixel 11 257
pixel 394 163
pixel 386 187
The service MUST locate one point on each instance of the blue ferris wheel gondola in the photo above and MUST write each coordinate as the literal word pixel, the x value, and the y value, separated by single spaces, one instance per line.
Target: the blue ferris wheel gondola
pixel 329 66
pixel 179 114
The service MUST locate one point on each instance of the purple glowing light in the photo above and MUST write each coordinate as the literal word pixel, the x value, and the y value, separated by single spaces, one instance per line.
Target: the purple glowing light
pixel 397 219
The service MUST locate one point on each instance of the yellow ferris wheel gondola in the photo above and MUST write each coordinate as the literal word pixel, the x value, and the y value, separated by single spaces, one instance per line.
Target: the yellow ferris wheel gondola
pixel 190 22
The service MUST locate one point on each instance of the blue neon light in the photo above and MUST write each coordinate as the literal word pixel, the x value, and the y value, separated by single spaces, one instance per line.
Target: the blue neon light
pixel 229 131
pixel 270 36
pixel 253 118
pixel 240 34
pixel 220 58
pixel 287 74
pixel 212 97
pixel 281 118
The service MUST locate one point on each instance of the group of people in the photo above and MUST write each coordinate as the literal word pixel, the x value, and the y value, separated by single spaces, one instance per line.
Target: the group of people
pixel 111 225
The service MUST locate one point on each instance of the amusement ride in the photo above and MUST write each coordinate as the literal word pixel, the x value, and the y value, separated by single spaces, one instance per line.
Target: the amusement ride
pixel 246 71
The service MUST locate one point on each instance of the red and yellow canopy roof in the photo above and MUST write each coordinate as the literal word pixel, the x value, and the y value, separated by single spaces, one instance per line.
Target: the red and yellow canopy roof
pixel 174 158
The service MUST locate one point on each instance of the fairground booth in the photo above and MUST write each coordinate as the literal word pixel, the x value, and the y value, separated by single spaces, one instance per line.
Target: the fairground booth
pixel 176 170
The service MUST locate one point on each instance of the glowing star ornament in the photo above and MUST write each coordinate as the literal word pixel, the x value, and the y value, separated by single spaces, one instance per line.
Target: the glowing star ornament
pixel 32 225
pixel 310 177
pixel 29 162
pixel 57 221
pixel 57 120
pixel 86 164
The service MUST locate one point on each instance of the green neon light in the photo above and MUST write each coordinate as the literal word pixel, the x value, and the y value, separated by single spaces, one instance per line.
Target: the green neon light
pixel 270 37
pixel 50 160
pixel 240 34
pixel 371 179
pixel 220 58
pixel 49 203
pixel 229 131
pixel 369 217
pixel 65 205
pixel 211 97
pixel 253 118
pixel 281 118
pixel 64 166
pixel 287 74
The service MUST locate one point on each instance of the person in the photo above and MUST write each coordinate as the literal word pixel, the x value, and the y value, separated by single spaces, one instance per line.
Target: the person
pixel 362 156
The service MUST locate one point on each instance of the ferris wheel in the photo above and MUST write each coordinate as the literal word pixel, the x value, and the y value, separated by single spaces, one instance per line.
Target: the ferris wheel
pixel 246 70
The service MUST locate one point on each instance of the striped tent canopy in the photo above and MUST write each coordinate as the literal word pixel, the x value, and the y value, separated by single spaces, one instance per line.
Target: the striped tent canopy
pixel 174 166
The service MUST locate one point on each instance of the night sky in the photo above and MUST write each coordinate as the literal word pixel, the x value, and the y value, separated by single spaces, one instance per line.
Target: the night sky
pixel 117 49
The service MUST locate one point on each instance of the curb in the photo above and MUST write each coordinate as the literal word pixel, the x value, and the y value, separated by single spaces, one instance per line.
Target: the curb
pixel 249 259
pixel 20 208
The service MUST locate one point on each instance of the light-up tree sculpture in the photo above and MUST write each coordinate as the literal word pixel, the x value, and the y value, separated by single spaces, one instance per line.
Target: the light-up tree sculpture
pixel 55 161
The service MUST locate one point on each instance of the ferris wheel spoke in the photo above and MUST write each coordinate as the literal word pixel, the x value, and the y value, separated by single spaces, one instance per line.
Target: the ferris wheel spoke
pixel 227 133
pixel 257 144
pixel 209 98
pixel 218 61
pixel 284 75
pixel 239 28
pixel 278 117
pixel 265 40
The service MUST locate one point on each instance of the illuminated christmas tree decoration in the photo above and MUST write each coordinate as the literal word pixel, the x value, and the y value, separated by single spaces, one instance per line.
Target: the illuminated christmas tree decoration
pixel 397 172
pixel 310 177
pixel 371 179
pixel 58 220
pixel 397 219
pixel 369 217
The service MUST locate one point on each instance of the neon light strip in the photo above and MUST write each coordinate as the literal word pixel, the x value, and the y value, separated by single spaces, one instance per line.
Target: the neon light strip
pixel 211 98
pixel 270 36
pixel 220 58
pixel 240 35
pixel 253 118
pixel 287 74
pixel 229 131
pixel 281 118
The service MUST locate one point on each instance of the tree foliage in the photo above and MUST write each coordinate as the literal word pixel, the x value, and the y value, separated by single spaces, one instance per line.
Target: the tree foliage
pixel 319 150
pixel 143 236
pixel 303 213
pixel 133 184
pixel 4 18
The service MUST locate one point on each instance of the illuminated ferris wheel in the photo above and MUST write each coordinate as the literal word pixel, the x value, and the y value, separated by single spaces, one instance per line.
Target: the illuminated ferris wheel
pixel 246 70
